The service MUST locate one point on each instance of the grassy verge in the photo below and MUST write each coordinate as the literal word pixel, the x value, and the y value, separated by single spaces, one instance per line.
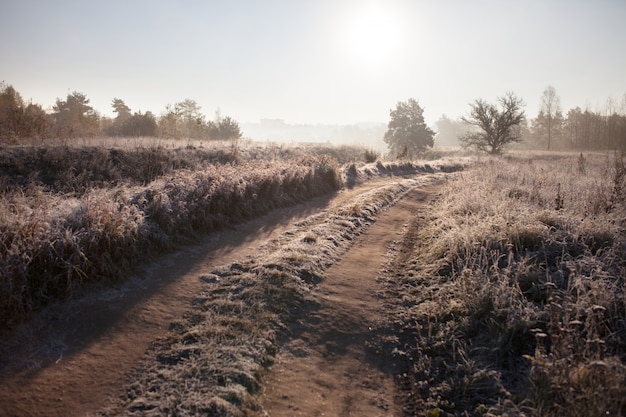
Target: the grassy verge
pixel 51 245
pixel 214 359
pixel 75 170
pixel 72 216
pixel 507 296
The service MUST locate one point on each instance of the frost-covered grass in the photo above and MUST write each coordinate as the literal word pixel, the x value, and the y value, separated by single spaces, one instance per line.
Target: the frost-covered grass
pixel 72 216
pixel 213 361
pixel 75 170
pixel 51 244
pixel 511 299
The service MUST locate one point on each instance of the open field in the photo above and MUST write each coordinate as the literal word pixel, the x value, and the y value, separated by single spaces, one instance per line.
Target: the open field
pixel 353 175
pixel 85 215
pixel 504 295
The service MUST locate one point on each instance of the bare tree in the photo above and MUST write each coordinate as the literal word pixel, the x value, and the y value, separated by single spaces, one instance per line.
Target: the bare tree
pixel 495 127
pixel 551 110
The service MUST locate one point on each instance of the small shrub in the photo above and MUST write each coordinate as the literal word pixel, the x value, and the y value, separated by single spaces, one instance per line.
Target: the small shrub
pixel 371 156
pixel 558 200
pixel 618 178
pixel 582 164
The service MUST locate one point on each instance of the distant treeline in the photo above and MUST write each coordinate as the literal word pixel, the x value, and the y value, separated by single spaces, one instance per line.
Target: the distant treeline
pixel 588 130
pixel 553 130
pixel 578 130
pixel 74 117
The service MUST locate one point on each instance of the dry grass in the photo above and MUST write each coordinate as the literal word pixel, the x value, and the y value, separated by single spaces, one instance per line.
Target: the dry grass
pixel 72 216
pixel 52 243
pixel 510 291
pixel 76 169
pixel 214 361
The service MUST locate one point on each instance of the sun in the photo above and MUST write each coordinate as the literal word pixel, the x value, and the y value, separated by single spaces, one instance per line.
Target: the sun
pixel 373 35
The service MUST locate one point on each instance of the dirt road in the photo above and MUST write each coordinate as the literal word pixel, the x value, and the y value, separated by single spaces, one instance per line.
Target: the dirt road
pixel 326 370
pixel 72 360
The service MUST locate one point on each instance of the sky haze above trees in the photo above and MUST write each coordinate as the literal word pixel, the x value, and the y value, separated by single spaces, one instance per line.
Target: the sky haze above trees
pixel 314 62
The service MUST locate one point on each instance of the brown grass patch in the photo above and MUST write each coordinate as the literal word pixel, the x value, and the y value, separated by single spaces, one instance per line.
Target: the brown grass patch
pixel 511 303
pixel 52 244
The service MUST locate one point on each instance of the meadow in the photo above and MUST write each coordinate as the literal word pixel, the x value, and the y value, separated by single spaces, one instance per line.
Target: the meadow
pixel 507 297
pixel 79 215
pixel 503 297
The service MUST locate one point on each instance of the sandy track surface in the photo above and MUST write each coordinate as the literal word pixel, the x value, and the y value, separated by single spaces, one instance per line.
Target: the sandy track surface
pixel 73 359
pixel 325 369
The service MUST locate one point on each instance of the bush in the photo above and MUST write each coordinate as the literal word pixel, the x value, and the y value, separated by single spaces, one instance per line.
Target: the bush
pixel 371 156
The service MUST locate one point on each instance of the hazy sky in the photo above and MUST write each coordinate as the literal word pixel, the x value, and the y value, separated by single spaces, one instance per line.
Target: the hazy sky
pixel 317 61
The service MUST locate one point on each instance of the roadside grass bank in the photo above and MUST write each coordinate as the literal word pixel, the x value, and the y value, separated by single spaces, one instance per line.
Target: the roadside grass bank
pixel 74 217
pixel 506 297
pixel 214 359
pixel 73 170
pixel 52 246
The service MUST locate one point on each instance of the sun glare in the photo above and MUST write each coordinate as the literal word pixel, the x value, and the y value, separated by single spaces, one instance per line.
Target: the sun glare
pixel 373 36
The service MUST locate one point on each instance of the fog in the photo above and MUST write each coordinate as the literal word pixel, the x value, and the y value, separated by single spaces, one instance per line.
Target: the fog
pixel 323 63
pixel 277 130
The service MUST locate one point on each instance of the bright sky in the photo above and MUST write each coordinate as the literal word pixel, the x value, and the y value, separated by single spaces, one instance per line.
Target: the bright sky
pixel 314 61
